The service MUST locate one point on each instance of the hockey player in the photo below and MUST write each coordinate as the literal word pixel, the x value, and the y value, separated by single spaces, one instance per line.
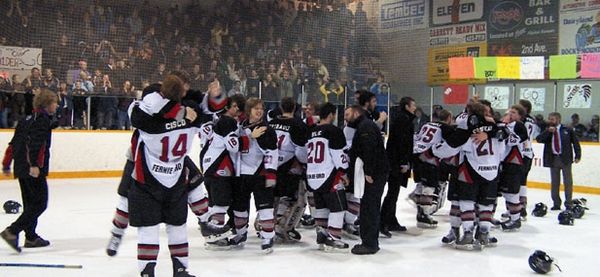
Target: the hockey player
pixel 427 167
pixel 478 180
pixel 197 196
pixel 326 174
pixel 289 191
pixel 221 160
pixel 533 130
pixel 257 171
pixel 159 193
pixel 513 166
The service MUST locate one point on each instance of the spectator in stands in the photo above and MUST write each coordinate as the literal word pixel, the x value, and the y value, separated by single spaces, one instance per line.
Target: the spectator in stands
pixel 159 74
pixel 578 128
pixel 236 89
pixel 5 88
pixel 32 84
pixel 65 106
pixel 420 119
pixel 107 104
pixel 540 122
pixel 286 80
pixel 593 128
pixel 17 100
pixel 50 81
pixel 127 96
pixel 270 92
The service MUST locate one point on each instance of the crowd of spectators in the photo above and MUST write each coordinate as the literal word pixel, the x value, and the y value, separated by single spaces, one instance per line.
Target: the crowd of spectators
pixel 583 132
pixel 255 48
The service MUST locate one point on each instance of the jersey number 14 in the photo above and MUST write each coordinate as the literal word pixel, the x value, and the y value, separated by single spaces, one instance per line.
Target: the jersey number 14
pixel 179 149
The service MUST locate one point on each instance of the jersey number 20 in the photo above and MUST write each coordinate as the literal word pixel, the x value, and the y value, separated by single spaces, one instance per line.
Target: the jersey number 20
pixel 316 152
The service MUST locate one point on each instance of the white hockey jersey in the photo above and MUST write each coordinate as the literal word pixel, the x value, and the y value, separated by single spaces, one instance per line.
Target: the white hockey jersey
pixel 163 141
pixel 533 131
pixel 483 157
pixel 221 157
pixel 326 161
pixel 262 154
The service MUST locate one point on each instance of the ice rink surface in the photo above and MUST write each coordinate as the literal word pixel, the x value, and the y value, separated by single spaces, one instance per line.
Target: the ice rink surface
pixel 80 211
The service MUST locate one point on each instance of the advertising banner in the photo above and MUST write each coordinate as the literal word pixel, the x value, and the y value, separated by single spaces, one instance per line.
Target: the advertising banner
pixel 579 27
pixel 522 27
pixel 438 70
pixel 446 12
pixel 457 34
pixel 398 15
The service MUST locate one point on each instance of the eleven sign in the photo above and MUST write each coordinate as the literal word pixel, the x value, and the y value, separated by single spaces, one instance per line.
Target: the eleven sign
pixel 455 11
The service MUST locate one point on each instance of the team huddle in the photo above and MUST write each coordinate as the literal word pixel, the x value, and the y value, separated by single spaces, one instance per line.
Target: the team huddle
pixel 286 163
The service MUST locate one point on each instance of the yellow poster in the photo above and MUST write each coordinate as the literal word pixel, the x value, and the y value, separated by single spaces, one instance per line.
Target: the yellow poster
pixel 509 67
pixel 438 70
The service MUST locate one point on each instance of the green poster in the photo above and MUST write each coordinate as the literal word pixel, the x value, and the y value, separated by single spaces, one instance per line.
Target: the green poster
pixel 563 67
pixel 486 68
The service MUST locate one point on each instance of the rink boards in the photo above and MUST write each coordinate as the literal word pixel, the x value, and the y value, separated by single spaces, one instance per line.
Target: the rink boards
pixel 85 154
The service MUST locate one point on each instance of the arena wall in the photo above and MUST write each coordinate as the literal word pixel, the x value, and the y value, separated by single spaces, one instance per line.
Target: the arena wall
pixel 85 154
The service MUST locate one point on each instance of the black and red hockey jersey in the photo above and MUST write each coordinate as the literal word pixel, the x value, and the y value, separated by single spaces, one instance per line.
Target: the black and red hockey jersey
pixel 292 135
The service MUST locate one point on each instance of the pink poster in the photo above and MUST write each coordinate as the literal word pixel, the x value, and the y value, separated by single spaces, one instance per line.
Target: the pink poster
pixel 590 65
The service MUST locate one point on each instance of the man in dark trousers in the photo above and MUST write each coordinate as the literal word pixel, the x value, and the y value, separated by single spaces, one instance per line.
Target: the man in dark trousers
pixel 559 144
pixel 399 152
pixel 367 144
pixel 30 148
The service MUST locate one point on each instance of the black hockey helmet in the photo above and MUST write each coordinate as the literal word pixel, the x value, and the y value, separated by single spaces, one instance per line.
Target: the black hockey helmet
pixel 581 202
pixel 540 209
pixel 578 211
pixel 566 218
pixel 540 262
pixel 11 207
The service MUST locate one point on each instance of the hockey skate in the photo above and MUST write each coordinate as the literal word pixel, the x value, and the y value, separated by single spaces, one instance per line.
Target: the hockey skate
pixel 113 245
pixel 466 242
pixel 179 270
pixel 239 240
pixel 523 214
pixel 511 226
pixel 425 221
pixel 351 231
pixel 212 232
pixel 218 245
pixel 148 270
pixel 452 236
pixel 330 244
pixel 482 241
pixel 267 246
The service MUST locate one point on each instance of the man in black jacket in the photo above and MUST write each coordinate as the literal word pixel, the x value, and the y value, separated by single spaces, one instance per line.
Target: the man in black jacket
pixel 559 144
pixel 367 144
pixel 30 148
pixel 399 152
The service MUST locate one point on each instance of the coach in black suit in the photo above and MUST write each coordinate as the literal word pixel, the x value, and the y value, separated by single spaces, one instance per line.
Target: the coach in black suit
pixel 559 144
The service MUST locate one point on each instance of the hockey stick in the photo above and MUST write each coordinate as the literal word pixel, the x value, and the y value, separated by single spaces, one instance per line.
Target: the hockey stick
pixel 41 265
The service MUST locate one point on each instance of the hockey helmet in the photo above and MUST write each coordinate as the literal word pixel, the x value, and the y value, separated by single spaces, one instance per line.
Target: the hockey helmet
pixel 11 207
pixel 540 262
pixel 540 209
pixel 578 211
pixel 566 218
pixel 581 202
